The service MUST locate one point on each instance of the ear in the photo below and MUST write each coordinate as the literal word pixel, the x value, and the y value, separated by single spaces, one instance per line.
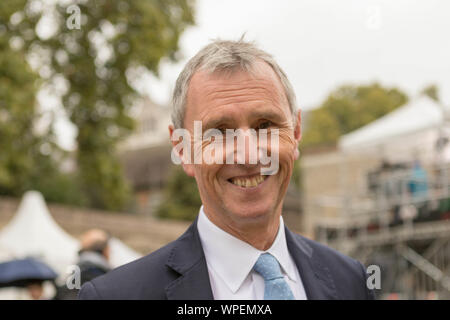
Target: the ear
pixel 297 133
pixel 187 167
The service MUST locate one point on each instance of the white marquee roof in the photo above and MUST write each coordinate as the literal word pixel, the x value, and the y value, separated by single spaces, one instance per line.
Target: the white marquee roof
pixel 419 115
pixel 33 232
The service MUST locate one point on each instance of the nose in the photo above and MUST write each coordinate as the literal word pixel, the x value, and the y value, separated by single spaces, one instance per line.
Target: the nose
pixel 248 154
pixel 256 149
pixel 242 147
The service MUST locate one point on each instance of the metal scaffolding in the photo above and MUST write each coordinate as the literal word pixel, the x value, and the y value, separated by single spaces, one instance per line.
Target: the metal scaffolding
pixel 405 231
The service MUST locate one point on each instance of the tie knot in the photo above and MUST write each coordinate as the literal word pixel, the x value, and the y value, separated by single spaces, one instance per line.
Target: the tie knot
pixel 268 267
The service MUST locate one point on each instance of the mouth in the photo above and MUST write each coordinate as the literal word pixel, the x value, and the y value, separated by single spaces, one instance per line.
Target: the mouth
pixel 248 181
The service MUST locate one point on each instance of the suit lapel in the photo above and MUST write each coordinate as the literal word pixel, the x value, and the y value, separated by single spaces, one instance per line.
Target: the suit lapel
pixel 315 276
pixel 187 259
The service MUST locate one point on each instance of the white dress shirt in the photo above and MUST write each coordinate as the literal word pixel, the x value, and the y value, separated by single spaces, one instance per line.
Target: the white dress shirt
pixel 230 263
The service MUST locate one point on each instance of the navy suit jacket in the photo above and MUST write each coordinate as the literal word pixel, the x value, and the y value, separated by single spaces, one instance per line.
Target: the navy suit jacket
pixel 178 271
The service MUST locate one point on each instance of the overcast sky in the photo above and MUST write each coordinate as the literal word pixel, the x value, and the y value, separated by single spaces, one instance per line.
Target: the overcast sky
pixel 322 44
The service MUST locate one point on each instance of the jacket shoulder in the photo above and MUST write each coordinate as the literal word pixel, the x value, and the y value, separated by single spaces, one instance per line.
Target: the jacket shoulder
pixel 348 275
pixel 144 278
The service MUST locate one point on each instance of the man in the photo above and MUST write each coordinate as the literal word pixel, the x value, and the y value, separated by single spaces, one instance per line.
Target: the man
pixel 93 261
pixel 238 247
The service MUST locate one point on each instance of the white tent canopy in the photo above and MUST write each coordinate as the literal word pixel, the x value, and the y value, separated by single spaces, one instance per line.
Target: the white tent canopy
pixel 410 129
pixel 120 253
pixel 33 232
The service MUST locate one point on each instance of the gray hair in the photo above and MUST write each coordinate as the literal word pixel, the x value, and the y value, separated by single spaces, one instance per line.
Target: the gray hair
pixel 225 55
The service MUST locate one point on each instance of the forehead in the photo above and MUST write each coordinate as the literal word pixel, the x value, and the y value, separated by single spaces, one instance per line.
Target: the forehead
pixel 207 91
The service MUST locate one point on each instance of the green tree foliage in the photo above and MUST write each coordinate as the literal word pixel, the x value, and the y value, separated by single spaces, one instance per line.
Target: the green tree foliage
pixel 28 159
pixel 17 115
pixel 116 41
pixel 181 198
pixel 19 144
pixel 349 108
pixel 431 91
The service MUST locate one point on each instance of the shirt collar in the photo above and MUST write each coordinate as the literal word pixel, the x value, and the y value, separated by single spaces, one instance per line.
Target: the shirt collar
pixel 233 259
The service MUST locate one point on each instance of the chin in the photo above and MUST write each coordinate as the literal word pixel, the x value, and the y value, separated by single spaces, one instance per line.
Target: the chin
pixel 251 211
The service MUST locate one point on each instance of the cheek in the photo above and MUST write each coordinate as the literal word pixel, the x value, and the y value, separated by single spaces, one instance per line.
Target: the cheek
pixel 207 176
pixel 287 147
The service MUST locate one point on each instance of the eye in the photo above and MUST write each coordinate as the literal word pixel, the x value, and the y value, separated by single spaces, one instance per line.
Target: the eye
pixel 222 129
pixel 264 125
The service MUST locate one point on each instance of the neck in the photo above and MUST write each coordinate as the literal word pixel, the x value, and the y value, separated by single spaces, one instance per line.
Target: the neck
pixel 259 234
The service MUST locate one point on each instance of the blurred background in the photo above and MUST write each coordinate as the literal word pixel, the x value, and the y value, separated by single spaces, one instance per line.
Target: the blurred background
pixel 85 103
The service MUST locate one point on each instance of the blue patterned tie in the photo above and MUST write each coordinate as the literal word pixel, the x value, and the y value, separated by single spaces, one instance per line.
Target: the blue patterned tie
pixel 275 287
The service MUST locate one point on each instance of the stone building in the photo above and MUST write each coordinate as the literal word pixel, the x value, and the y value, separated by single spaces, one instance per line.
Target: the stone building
pixel 145 154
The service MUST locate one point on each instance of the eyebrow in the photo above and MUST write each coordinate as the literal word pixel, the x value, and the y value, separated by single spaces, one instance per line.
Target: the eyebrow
pixel 215 122
pixel 267 114
pixel 260 114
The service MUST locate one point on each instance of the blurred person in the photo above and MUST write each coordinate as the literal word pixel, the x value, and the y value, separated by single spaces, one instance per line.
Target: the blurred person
pixel 238 247
pixel 419 190
pixel 93 261
pixel 418 183
pixel 35 290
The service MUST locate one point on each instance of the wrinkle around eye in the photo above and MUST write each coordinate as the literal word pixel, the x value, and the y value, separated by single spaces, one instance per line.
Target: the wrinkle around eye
pixel 285 136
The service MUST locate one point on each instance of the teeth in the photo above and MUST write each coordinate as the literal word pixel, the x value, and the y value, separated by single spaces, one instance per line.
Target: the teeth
pixel 248 182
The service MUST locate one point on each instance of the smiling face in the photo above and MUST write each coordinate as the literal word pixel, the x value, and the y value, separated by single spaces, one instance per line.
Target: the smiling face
pixel 237 196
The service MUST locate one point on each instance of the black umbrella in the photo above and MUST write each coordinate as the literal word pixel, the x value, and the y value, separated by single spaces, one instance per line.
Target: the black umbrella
pixel 19 273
